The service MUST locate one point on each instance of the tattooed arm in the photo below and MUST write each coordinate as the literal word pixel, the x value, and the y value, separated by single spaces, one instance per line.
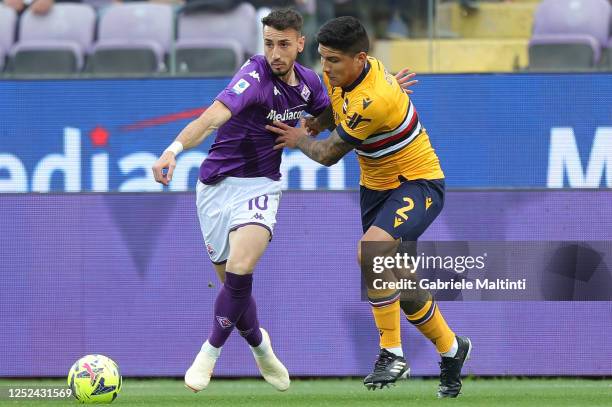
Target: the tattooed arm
pixel 326 152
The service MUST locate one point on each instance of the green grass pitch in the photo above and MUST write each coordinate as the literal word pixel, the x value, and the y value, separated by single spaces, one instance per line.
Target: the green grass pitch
pixel 346 392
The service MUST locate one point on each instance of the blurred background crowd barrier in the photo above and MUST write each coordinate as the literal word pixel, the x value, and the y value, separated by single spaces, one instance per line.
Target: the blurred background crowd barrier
pixel 214 37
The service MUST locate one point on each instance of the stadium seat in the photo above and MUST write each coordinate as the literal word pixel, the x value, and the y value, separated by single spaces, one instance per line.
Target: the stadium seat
pixel 569 34
pixel 54 43
pixel 98 4
pixel 213 57
pixel 8 19
pixel 133 38
pixel 216 42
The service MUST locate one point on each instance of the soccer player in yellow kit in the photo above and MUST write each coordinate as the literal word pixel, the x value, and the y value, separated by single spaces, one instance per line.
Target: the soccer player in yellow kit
pixel 402 186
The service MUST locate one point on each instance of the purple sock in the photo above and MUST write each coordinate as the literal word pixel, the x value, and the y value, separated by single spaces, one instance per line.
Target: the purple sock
pixel 232 301
pixel 248 325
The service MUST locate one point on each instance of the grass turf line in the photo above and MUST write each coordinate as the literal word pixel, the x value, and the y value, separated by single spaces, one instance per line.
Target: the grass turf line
pixel 346 392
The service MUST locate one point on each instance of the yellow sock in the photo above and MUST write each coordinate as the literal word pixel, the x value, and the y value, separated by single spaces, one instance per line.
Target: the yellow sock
pixel 388 323
pixel 431 323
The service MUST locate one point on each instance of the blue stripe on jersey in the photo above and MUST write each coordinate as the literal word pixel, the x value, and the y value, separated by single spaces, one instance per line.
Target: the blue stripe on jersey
pixel 347 137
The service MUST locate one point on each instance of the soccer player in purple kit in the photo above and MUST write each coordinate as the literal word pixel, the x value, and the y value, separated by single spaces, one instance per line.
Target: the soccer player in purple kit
pixel 238 190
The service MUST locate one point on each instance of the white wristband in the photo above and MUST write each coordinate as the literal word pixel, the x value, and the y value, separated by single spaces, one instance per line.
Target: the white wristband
pixel 176 147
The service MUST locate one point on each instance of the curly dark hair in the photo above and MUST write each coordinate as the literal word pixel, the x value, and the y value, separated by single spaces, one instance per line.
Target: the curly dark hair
pixel 345 34
pixel 283 19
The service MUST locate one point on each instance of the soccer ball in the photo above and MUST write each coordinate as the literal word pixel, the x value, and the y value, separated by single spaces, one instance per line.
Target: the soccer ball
pixel 94 379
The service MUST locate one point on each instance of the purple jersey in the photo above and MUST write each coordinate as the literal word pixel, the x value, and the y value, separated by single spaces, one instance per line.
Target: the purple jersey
pixel 256 97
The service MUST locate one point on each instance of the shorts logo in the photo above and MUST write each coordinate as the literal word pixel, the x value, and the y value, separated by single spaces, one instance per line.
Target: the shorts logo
pixel 258 216
pixel 240 86
pixel 428 202
pixel 400 214
pixel 224 322
pixel 210 249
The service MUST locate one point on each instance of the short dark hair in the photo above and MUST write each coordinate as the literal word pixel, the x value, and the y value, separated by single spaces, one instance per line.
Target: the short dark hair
pixel 345 34
pixel 283 19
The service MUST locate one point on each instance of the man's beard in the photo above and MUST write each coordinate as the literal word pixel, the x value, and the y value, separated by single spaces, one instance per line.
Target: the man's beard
pixel 283 73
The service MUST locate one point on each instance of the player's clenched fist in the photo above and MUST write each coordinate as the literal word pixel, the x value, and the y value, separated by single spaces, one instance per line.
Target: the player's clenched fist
pixel 167 161
pixel 312 125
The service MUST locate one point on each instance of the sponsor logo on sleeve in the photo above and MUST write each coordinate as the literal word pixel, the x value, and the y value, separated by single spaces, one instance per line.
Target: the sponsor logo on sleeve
pixel 255 75
pixel 240 86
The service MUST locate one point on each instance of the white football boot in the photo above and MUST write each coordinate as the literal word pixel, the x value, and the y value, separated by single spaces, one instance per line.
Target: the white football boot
pixel 198 375
pixel 272 370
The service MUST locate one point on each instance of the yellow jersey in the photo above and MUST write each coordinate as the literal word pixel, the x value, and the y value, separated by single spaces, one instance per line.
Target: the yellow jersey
pixel 376 116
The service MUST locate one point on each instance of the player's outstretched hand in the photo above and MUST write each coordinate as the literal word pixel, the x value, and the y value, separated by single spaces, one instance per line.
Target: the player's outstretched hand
pixel 405 78
pixel 288 136
pixel 167 162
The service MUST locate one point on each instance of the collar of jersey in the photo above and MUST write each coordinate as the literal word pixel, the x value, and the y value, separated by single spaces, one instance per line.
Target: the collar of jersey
pixel 357 81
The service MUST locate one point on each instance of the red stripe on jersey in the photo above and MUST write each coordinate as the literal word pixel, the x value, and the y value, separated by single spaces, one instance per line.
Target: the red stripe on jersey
pixel 388 140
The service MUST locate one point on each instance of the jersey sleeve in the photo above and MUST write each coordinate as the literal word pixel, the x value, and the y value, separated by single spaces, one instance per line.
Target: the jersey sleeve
pixel 319 100
pixel 244 89
pixel 364 117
